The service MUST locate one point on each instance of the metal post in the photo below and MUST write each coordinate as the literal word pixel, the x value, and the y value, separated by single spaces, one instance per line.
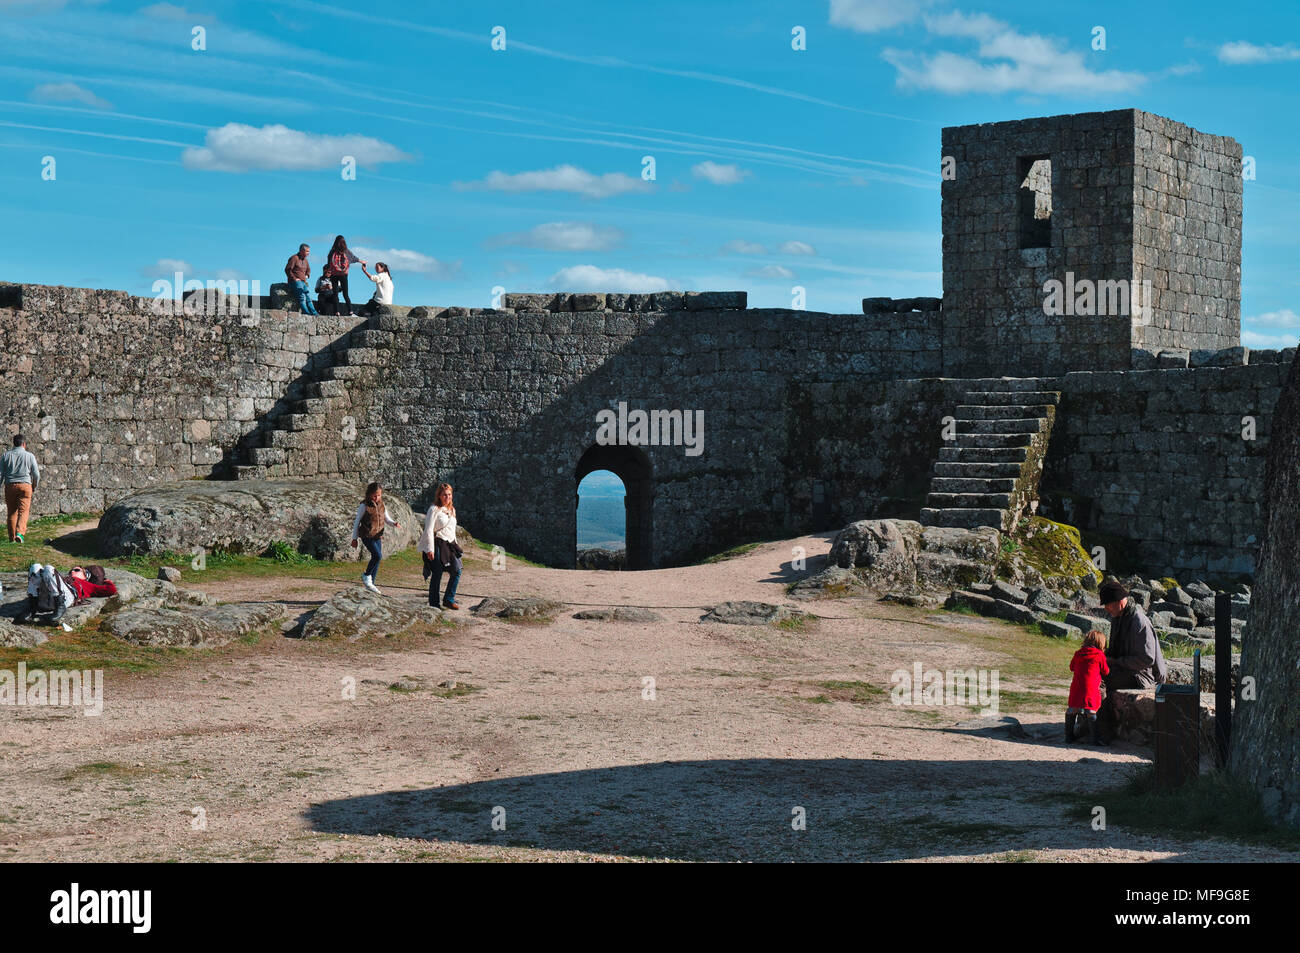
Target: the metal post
pixel 1222 676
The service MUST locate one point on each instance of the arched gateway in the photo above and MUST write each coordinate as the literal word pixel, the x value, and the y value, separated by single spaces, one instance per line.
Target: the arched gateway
pixel 632 466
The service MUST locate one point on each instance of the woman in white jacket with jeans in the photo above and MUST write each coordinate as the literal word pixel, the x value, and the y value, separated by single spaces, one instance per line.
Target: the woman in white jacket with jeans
pixel 439 548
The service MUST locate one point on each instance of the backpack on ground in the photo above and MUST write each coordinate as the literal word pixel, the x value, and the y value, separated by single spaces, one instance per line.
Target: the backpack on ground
pixel 49 591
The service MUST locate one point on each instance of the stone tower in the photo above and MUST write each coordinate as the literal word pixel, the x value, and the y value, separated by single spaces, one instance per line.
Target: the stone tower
pixel 1106 204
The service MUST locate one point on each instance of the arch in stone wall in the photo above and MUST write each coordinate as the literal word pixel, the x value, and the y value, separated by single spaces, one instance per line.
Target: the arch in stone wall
pixel 632 466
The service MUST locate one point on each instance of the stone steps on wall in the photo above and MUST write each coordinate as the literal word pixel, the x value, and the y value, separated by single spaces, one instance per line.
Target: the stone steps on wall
pixel 300 424
pixel 987 475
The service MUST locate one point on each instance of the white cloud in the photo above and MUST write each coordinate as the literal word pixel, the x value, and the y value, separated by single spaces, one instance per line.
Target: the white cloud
pixel 770 271
pixel 1006 61
pixel 236 147
pixel 741 247
pixel 169 11
pixel 591 278
pixel 167 268
pixel 719 174
pixel 564 236
pixel 1240 52
pixel 563 178
pixel 1272 329
pixel 403 260
pixel 871 16
pixel 68 93
pixel 797 248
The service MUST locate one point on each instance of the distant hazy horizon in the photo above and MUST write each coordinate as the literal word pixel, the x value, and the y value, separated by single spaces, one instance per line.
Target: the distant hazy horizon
pixel 602 519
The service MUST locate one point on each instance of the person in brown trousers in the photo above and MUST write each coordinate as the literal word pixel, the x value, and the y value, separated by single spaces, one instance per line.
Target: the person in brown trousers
pixel 21 475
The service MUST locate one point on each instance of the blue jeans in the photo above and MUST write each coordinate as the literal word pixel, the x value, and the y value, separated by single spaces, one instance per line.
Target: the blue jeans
pixel 375 547
pixel 435 581
pixel 304 297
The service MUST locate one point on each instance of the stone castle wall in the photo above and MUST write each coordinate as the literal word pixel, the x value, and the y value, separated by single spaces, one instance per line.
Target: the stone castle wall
pixel 114 397
pixel 1158 465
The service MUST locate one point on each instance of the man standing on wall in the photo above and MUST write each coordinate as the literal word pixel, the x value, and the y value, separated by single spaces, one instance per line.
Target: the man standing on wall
pixel 21 475
pixel 297 269
pixel 1133 651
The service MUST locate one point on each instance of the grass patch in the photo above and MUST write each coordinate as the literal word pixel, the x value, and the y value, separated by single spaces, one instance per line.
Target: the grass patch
pixel 104 769
pixel 1029 701
pixel 1214 805
pixel 461 688
pixel 733 552
pixel 860 693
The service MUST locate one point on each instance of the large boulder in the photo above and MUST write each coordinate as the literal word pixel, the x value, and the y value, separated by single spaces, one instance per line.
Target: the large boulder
pixel 247 516
pixel 892 555
pixel 356 613
pixel 1266 727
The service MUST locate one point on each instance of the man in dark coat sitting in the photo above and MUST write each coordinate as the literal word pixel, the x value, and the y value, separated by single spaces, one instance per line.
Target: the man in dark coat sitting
pixel 1132 651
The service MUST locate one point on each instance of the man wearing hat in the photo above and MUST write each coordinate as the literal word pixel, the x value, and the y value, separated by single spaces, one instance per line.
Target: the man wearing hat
pixel 1132 651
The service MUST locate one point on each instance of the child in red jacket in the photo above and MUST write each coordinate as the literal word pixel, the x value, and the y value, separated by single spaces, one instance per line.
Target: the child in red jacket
pixel 1089 666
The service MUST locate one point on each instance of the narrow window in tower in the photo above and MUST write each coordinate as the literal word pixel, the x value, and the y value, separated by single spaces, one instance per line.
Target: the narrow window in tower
pixel 1035 173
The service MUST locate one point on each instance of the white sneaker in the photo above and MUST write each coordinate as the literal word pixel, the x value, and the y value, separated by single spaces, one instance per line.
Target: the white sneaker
pixel 370 584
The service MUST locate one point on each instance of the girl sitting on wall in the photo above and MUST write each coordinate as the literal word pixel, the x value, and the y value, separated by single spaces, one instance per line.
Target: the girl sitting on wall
pixel 383 279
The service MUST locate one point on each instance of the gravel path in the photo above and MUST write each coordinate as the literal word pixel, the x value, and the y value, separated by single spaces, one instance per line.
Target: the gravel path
pixel 253 753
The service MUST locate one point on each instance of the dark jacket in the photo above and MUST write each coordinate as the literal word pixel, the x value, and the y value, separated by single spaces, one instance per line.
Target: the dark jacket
pixel 1133 650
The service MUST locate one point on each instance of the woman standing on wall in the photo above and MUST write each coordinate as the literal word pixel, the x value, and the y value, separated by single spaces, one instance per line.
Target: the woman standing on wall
pixel 369 526
pixel 439 548
pixel 336 265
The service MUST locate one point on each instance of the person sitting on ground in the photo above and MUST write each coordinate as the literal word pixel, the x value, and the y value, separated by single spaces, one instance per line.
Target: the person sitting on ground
pixel 326 301
pixel 1089 666
pixel 1133 654
pixel 383 280
pixel 46 593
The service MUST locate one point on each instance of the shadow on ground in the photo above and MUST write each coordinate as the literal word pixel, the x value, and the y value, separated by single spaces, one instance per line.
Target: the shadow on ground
pixel 743 809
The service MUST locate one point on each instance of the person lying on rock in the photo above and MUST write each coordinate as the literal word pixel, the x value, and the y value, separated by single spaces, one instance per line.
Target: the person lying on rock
pixel 1089 666
pixel 1133 654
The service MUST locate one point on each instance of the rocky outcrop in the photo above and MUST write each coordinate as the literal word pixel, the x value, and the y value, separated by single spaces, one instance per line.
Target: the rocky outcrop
pixel 312 516
pixel 356 613
pixel 1266 728
pixel 893 555
pixel 526 608
pixel 619 614
pixel 194 626
pixel 602 559
pixel 753 613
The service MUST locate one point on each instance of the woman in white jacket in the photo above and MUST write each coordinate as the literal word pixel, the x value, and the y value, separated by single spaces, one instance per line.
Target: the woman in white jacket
pixel 439 548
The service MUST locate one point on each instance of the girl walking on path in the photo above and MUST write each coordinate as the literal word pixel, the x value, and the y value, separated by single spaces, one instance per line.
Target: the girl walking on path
pixel 336 265
pixel 369 526
pixel 1088 665
pixel 439 548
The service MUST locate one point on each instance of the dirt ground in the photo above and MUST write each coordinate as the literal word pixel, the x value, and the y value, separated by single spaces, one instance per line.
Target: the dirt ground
pixel 255 754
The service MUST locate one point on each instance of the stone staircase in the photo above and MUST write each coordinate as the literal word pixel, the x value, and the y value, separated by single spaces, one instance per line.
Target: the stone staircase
pixel 988 475
pixel 301 426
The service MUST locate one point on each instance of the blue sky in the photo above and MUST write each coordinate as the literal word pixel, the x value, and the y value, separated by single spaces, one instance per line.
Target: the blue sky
pixel 522 168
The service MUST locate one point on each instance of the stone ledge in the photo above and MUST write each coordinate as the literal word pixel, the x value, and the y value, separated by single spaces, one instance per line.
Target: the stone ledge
pixel 900 305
